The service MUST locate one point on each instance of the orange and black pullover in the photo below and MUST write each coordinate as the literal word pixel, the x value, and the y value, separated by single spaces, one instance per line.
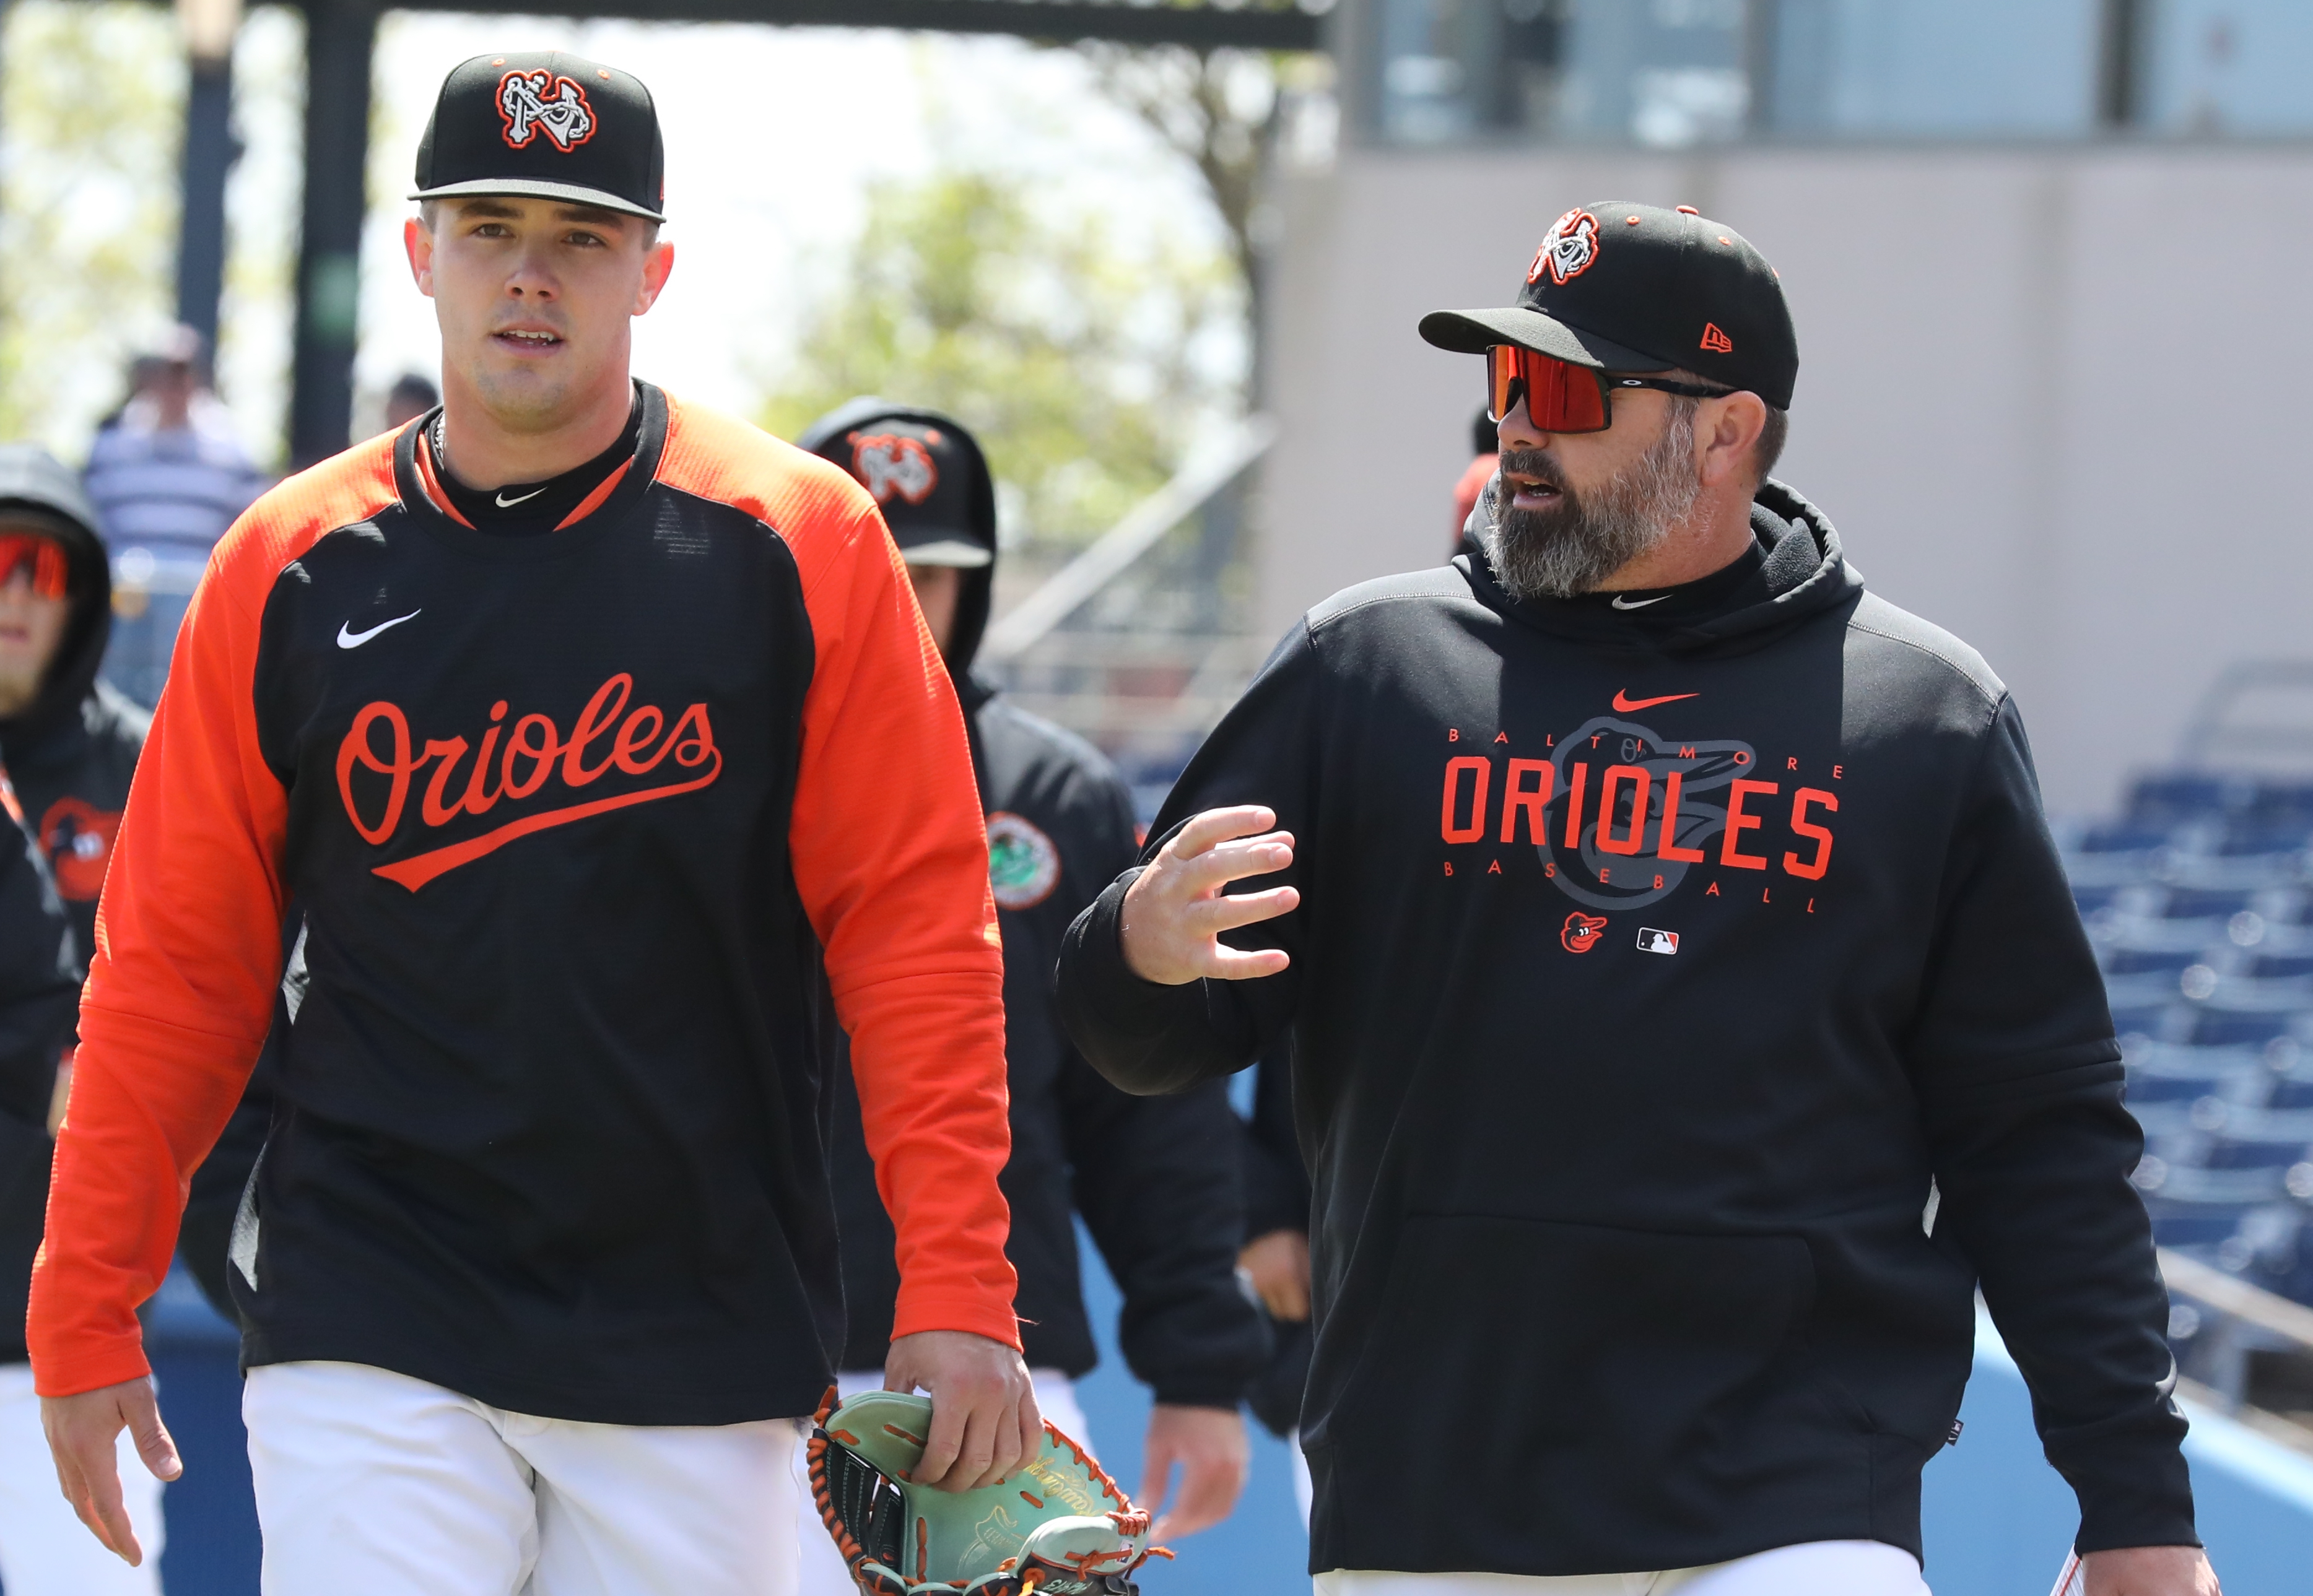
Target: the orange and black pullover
pixel 586 828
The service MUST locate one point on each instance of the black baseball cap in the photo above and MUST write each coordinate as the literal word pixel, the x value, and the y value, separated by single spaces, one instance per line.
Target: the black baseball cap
pixel 919 466
pixel 545 126
pixel 1620 286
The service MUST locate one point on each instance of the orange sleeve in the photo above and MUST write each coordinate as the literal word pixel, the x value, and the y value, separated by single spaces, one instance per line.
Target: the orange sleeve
pixel 890 858
pixel 179 991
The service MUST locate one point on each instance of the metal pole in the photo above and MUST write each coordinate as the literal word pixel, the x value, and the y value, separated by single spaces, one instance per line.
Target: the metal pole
pixel 209 155
pixel 1761 41
pixel 2121 47
pixel 340 38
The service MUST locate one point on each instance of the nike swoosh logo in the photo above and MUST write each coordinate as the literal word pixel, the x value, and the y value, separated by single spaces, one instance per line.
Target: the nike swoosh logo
pixel 1622 604
pixel 350 639
pixel 507 504
pixel 1625 706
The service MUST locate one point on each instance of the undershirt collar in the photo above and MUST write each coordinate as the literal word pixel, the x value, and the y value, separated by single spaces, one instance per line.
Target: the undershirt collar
pixel 535 507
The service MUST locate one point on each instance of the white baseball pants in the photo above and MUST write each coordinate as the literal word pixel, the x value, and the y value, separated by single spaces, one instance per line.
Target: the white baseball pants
pixel 374 1484
pixel 823 1573
pixel 44 1549
pixel 1816 1568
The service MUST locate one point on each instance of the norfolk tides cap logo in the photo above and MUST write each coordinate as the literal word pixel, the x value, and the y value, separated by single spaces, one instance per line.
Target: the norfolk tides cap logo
pixel 533 102
pixel 1023 865
pixel 893 464
pixel 1568 249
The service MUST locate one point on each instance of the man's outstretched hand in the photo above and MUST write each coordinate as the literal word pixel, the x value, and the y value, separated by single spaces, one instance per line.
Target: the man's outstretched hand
pixel 1176 910
pixel 2149 1571
pixel 984 1419
pixel 83 1433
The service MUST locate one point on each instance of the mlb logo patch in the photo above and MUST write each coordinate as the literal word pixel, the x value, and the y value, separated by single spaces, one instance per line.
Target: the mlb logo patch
pixel 1652 941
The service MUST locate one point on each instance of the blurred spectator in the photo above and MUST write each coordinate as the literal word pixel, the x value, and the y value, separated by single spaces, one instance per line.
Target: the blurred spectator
pixel 43 1549
pixel 170 477
pixel 1479 471
pixel 166 480
pixel 410 396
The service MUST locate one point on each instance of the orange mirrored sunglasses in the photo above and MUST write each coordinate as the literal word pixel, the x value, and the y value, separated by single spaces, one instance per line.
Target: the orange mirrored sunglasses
pixel 1561 397
pixel 42 559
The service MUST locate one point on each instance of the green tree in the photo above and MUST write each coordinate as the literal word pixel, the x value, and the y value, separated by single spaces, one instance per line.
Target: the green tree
pixel 1085 369
pixel 92 105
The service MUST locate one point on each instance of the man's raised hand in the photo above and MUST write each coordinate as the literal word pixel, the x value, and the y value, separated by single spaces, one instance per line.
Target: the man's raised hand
pixel 1175 911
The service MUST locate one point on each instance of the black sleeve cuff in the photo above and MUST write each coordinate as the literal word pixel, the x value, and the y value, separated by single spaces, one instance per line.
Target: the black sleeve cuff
pixel 2134 1490
pixel 1119 1021
pixel 1193 1391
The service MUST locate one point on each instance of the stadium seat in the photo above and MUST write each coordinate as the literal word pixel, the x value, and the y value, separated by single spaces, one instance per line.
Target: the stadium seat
pixel 2223 1021
pixel 2172 798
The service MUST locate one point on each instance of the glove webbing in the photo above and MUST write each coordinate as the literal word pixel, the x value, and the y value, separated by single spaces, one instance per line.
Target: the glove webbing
pixel 856 1496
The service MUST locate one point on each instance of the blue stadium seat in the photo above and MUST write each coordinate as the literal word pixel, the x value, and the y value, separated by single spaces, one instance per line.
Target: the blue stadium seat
pixel 2172 798
pixel 2216 1024
pixel 2207 903
pixel 2264 965
pixel 2181 1221
pixel 2138 962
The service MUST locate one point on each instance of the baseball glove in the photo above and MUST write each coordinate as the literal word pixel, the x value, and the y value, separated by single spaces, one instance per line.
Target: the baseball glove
pixel 1058 1527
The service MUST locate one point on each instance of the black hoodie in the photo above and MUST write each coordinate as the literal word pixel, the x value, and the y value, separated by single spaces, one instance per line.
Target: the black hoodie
pixel 72 752
pixel 1156 1180
pixel 1650 963
pixel 69 756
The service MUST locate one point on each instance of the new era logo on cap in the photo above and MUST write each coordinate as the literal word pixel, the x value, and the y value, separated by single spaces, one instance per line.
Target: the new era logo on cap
pixel 545 126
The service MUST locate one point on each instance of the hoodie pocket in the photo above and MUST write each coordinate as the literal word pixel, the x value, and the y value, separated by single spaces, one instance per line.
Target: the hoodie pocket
pixel 1601 1379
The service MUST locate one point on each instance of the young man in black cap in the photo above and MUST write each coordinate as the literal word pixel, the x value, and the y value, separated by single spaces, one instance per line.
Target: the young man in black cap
pixel 567 715
pixel 1155 1178
pixel 1687 1009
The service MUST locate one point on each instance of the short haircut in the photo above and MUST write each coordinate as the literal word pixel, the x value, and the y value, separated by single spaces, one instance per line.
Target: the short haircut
pixel 1769 449
pixel 1773 435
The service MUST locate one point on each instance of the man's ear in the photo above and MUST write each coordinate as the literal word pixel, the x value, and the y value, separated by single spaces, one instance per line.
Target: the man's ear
pixel 1727 435
pixel 417 244
pixel 656 266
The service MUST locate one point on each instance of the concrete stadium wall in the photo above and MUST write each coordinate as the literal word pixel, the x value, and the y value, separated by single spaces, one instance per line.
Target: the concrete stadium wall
pixel 2046 393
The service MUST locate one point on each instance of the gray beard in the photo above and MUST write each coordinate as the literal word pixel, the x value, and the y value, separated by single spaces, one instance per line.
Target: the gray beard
pixel 1573 548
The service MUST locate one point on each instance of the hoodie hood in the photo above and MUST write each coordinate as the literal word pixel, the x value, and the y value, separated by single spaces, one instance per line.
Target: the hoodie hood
pixel 830 438
pixel 1794 570
pixel 32 479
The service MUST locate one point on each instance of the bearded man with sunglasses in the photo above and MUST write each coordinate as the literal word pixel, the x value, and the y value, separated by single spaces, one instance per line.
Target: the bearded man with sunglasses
pixel 1687 1011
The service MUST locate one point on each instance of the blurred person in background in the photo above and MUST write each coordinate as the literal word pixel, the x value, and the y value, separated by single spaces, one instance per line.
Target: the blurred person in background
pixel 171 475
pixel 1154 1177
pixel 1485 459
pixel 410 396
pixel 70 740
pixel 166 477
pixel 43 1549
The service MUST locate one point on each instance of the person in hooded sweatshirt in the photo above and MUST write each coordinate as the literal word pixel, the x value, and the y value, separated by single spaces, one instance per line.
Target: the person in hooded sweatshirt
pixel 69 742
pixel 1154 1180
pixel 1688 1013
